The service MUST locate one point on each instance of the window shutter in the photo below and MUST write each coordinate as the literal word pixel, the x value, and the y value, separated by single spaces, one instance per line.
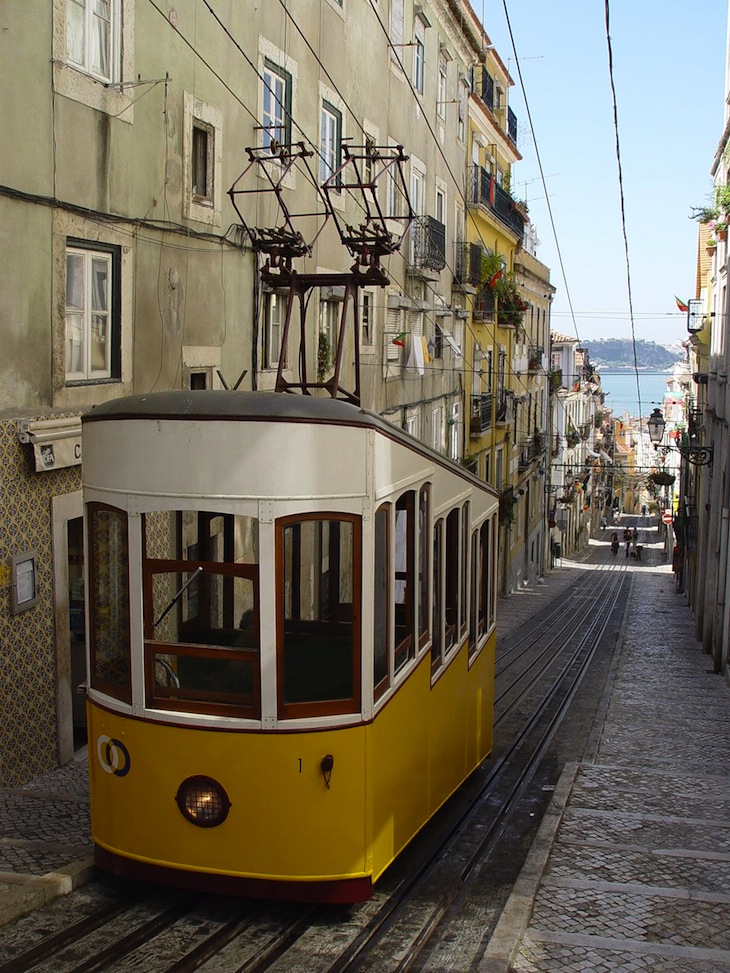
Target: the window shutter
pixel 396 27
pixel 392 330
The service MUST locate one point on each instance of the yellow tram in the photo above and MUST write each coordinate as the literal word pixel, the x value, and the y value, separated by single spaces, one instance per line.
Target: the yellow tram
pixel 291 639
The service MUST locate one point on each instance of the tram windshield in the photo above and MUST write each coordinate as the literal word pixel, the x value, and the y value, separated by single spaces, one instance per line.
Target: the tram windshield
pixel 201 612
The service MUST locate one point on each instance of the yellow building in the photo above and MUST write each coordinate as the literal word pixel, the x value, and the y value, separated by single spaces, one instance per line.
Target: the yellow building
pixel 505 287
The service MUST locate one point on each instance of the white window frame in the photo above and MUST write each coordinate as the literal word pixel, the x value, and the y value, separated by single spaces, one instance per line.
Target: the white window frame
pixel 287 68
pixel 397 31
pixel 455 432
pixel 418 187
pixel 442 91
pixel 87 14
pixel 392 353
pixel 367 317
pixel 203 207
pixel 441 202
pixel 273 330
pixel 437 428
pixel 463 106
pixel 332 105
pixel 413 422
pixel 330 140
pixel 85 312
pixel 419 55
pixel 78 83
pixel 275 97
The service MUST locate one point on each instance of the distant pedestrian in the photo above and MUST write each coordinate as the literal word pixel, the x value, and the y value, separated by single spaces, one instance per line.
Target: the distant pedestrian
pixel 604 523
pixel 678 566
pixel 627 539
pixel 614 544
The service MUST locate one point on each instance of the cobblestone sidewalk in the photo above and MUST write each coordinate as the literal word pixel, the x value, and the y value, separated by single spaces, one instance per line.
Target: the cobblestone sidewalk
pixel 630 870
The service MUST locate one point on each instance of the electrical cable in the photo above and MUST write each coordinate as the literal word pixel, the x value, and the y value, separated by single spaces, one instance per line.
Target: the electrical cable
pixel 622 201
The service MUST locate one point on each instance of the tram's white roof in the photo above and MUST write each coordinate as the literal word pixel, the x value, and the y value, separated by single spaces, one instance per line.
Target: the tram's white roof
pixel 220 405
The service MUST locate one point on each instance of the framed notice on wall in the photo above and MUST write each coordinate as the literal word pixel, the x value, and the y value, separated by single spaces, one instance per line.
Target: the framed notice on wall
pixel 24 581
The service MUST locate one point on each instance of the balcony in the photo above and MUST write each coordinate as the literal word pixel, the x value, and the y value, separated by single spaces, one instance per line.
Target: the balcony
pixel 468 265
pixel 481 413
pixel 531 449
pixel 484 305
pixel 512 125
pixel 534 362
pixel 428 245
pixel 505 407
pixel 485 191
pixel 486 88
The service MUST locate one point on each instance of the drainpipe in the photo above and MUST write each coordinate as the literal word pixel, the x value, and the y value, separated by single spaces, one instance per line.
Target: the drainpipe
pixel 723 602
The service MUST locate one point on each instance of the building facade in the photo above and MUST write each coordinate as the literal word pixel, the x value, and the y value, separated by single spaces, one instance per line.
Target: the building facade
pixel 128 268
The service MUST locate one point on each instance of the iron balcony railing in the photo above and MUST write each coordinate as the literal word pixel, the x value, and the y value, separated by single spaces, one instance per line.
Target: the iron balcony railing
pixel 505 407
pixel 468 264
pixel 484 86
pixel 485 191
pixel 512 125
pixel 487 89
pixel 481 413
pixel 428 238
pixel 532 449
pixel 484 305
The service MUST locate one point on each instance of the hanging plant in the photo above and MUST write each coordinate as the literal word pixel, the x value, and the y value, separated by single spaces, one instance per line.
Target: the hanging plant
pixel 507 509
pixel 661 478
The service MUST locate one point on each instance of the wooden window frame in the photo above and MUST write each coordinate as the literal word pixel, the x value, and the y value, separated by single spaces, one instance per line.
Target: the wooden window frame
pixel 424 566
pixel 404 650
pixel 98 683
pixel 382 685
pixel 437 628
pixel 336 707
pixel 152 647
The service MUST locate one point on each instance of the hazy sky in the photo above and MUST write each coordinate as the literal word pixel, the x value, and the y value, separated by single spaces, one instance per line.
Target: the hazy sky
pixel 669 73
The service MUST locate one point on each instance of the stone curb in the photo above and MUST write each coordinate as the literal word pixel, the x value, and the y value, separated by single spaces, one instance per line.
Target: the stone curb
pixel 513 922
pixel 21 894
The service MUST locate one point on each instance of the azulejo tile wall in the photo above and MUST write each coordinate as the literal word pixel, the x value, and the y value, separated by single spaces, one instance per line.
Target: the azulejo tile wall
pixel 28 744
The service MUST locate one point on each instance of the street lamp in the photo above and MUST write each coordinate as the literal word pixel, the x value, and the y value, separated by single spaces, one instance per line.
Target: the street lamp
pixel 697 455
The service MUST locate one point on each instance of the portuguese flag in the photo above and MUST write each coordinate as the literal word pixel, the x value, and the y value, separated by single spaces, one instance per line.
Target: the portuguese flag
pixel 681 304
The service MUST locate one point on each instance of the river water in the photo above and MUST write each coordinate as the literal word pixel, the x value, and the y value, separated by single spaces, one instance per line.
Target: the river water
pixel 622 394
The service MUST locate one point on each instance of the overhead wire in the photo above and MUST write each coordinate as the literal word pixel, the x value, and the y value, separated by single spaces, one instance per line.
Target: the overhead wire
pixel 621 199
pixel 433 136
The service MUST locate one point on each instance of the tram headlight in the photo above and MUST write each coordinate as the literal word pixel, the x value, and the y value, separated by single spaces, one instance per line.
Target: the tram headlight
pixel 203 801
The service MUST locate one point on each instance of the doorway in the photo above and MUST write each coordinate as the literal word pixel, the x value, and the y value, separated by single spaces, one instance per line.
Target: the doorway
pixel 70 623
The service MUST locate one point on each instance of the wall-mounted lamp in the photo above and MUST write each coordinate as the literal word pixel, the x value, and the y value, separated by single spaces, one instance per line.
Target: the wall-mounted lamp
pixel 697 455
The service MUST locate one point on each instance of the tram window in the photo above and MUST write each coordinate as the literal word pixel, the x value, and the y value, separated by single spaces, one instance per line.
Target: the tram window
pixel 488 558
pixel 464 590
pixel 481 586
pixel 436 628
pixel 424 566
pixel 319 612
pixel 451 581
pixel 201 613
pixel 381 601
pixel 404 570
pixel 473 601
pixel 109 601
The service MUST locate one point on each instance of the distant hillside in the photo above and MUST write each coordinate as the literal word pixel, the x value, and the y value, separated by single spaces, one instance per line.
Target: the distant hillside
pixel 619 353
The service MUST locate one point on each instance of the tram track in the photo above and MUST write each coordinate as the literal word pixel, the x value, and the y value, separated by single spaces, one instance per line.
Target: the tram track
pixel 409 922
